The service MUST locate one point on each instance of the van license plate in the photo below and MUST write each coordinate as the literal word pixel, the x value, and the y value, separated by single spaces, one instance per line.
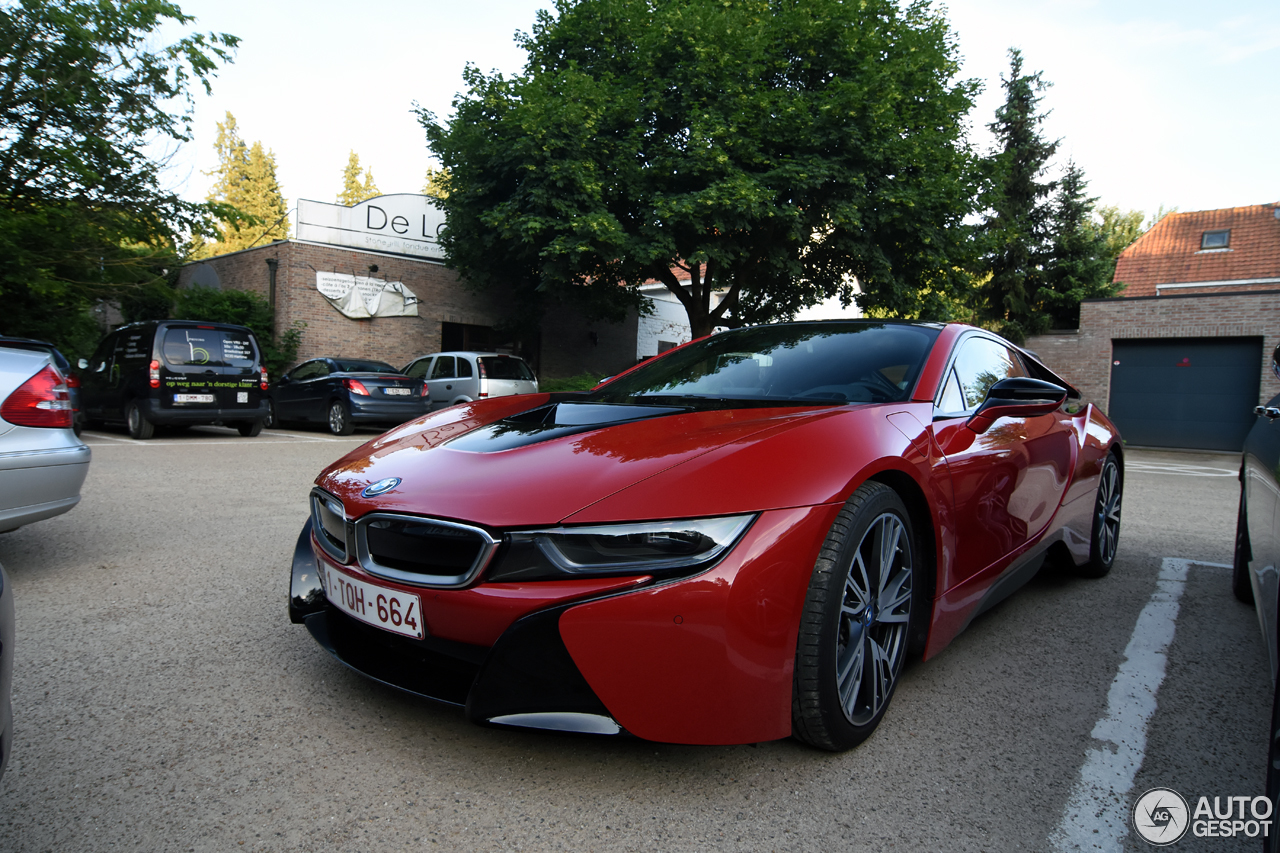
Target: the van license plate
pixel 396 392
pixel 391 609
pixel 193 398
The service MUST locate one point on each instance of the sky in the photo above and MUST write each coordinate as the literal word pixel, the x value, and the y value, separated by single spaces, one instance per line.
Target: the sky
pixel 1162 104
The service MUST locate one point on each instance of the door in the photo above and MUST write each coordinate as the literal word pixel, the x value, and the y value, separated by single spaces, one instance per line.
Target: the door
pixel 1260 504
pixel 300 395
pixel 1009 480
pixel 1185 392
pixel 440 381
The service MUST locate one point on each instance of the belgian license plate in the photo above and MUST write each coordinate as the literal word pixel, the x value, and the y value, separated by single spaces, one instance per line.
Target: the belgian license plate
pixel 390 609
pixel 193 398
pixel 396 392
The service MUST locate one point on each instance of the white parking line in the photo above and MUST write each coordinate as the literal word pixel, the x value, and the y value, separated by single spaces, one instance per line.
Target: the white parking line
pixel 289 438
pixel 1096 816
pixel 1180 470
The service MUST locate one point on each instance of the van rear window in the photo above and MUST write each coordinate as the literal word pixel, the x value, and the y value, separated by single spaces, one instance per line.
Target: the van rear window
pixel 506 367
pixel 209 348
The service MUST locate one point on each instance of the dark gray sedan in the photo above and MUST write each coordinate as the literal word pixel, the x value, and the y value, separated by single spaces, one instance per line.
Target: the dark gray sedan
pixel 343 393
pixel 1256 569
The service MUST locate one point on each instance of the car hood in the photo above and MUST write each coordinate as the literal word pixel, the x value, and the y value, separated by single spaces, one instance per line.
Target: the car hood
pixel 483 462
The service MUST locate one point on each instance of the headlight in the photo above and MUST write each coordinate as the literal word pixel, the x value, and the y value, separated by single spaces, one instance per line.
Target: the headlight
pixel 651 547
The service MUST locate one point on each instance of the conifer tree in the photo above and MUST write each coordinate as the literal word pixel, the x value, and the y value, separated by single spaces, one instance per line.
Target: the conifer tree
pixel 1080 262
pixel 246 180
pixel 1016 231
pixel 353 190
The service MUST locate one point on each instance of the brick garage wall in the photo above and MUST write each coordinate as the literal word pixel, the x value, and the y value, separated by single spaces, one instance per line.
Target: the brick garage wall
pixel 567 343
pixel 1084 358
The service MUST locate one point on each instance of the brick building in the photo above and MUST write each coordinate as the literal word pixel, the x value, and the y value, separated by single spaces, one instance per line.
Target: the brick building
pixel 1183 355
pixel 389 240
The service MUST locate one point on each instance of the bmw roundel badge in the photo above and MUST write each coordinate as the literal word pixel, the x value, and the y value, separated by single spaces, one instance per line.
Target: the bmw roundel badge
pixel 380 488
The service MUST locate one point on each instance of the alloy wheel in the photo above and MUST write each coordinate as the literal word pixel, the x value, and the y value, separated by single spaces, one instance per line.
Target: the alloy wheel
pixel 1108 521
pixel 875 614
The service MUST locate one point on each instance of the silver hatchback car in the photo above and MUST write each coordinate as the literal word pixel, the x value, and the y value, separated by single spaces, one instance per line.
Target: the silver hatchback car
pixel 462 377
pixel 42 462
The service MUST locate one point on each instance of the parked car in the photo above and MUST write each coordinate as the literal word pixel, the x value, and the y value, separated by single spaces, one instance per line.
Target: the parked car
pixel 1255 576
pixel 176 373
pixel 736 541
pixel 6 671
pixel 344 392
pixel 42 462
pixel 64 367
pixel 461 377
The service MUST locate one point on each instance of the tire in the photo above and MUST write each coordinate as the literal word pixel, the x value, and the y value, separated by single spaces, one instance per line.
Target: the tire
pixel 1243 554
pixel 340 419
pixel 139 427
pixel 837 701
pixel 251 429
pixel 1104 538
pixel 270 422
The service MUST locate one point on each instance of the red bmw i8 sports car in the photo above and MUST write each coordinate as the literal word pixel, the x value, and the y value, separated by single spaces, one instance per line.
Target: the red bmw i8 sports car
pixel 737 541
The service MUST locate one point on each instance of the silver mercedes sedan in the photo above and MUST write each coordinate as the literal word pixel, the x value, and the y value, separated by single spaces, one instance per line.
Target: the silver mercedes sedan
pixel 42 462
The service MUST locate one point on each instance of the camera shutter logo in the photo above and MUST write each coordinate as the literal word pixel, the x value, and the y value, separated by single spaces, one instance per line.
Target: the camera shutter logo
pixel 1161 816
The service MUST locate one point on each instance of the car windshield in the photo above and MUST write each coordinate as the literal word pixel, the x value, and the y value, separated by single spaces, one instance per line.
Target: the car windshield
pixel 506 367
pixel 813 363
pixel 348 365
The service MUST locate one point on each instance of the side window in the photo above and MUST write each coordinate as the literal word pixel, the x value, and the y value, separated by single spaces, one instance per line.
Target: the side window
pixel 980 364
pixel 310 370
pixel 443 368
pixel 102 355
pixel 952 398
pixel 418 369
pixel 464 368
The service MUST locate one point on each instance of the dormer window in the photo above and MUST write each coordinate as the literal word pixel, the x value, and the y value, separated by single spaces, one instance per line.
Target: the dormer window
pixel 1216 239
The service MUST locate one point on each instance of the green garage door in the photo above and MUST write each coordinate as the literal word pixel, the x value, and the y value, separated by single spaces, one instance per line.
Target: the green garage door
pixel 1195 393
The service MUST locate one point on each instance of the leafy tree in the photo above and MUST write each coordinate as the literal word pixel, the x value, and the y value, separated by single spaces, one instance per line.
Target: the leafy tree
pixel 1119 228
pixel 353 191
pixel 245 179
pixel 245 309
pixel 1080 261
pixel 769 149
pixel 436 183
pixel 85 96
pixel 1016 231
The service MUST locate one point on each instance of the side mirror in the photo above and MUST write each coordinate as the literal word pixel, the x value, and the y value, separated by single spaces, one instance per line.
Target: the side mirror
pixel 1017 397
pixel 284 380
pixel 84 363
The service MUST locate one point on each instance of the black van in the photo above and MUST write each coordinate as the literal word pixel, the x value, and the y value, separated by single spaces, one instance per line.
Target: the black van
pixel 176 373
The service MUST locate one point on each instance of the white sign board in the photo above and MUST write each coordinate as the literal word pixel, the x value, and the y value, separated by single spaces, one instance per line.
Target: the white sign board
pixel 360 297
pixel 403 224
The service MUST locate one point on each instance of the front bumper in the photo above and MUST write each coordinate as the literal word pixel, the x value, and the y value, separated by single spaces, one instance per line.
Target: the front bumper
pixel 706 659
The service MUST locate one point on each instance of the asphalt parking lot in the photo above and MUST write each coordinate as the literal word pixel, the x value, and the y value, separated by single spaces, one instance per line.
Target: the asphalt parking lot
pixel 163 701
